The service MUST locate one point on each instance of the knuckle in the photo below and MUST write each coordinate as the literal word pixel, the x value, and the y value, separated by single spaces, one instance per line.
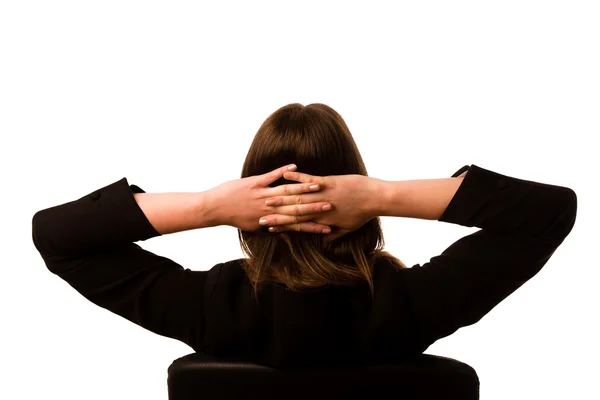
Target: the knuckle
pixel 298 199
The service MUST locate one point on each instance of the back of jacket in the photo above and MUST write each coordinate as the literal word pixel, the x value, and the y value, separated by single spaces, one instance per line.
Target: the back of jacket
pixel 282 328
pixel 90 244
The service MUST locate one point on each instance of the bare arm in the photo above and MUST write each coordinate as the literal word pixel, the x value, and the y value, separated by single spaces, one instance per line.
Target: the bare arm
pixel 175 212
pixel 422 198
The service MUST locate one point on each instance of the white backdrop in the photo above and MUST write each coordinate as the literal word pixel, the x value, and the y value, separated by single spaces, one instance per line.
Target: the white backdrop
pixel 170 95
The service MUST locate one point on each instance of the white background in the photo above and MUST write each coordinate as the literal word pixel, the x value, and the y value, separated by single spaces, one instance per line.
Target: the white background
pixel 170 95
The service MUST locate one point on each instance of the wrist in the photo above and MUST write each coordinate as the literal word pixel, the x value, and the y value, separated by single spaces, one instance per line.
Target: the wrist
pixel 209 213
pixel 380 198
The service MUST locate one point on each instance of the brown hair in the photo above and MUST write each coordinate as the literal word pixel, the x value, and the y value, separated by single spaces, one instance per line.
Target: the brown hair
pixel 317 140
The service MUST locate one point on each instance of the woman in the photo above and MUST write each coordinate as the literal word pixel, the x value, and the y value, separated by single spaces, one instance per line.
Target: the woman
pixel 317 287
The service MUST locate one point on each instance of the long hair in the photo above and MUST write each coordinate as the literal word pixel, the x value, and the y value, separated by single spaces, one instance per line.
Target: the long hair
pixel 317 140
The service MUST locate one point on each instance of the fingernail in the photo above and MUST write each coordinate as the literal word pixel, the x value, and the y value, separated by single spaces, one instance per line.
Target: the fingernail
pixel 262 221
pixel 271 229
pixel 326 207
pixel 326 230
pixel 314 187
pixel 269 202
pixel 291 167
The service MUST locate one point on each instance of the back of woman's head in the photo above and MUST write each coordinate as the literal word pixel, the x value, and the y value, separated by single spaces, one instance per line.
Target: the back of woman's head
pixel 317 140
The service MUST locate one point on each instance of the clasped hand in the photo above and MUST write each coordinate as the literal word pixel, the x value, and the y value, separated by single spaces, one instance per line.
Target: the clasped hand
pixel 332 205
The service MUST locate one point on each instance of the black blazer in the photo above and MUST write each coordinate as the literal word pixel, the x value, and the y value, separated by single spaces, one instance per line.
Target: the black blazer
pixel 89 243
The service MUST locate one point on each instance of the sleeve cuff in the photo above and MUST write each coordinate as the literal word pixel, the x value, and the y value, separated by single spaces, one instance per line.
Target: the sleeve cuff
pixel 460 171
pixel 136 189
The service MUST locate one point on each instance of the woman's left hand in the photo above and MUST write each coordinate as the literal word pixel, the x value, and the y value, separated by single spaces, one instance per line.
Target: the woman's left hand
pixel 241 202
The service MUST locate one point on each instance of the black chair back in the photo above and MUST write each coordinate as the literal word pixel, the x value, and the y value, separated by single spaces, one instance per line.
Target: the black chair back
pixel 424 377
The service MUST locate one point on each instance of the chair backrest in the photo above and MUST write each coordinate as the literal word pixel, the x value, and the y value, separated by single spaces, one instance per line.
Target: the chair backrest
pixel 424 377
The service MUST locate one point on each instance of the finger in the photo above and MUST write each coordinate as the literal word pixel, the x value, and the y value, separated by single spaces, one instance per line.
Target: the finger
pixel 310 227
pixel 302 209
pixel 270 177
pixel 280 219
pixel 292 189
pixel 300 177
pixel 305 198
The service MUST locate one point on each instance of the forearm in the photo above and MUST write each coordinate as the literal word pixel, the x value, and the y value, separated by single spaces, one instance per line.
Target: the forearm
pixel 176 212
pixel 422 198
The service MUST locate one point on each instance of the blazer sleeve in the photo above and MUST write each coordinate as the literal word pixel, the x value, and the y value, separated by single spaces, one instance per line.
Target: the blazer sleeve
pixel 522 224
pixel 89 243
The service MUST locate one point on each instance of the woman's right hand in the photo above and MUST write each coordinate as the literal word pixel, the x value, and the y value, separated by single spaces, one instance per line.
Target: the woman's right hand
pixel 353 198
